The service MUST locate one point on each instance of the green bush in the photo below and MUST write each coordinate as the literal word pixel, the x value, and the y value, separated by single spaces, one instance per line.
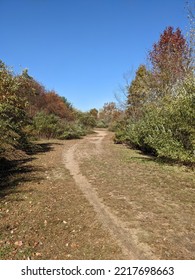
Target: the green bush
pixel 87 120
pixel 46 125
pixel 101 124
pixel 13 117
pixel 73 131
pixel 167 128
pixel 13 120
pixel 51 126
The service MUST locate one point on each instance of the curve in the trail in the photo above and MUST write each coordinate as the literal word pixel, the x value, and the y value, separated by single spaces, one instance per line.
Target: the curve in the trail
pixel 104 214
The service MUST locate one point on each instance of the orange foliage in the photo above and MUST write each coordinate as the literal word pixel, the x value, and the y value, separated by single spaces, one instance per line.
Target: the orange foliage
pixel 54 104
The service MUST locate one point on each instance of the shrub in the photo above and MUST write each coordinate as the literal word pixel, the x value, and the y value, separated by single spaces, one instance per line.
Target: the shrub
pixel 73 131
pixel 167 129
pixel 46 126
pixel 87 120
pixel 101 124
pixel 51 126
pixel 12 125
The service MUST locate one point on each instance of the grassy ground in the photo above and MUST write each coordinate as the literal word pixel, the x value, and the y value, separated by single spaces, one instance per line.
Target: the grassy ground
pixel 154 199
pixel 44 215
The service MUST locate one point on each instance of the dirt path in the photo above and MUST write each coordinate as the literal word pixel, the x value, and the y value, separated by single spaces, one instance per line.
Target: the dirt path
pixel 92 199
pixel 147 207
pixel 111 222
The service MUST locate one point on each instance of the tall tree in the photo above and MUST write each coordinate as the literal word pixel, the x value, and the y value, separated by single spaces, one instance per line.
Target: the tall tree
pixel 13 116
pixel 32 91
pixel 109 113
pixel 138 91
pixel 54 104
pixel 191 33
pixel 169 58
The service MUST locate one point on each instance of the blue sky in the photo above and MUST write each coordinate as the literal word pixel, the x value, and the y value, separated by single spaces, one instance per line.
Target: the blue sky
pixel 83 48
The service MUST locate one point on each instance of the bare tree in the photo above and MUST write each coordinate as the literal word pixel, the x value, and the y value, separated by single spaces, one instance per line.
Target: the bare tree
pixel 191 33
pixel 121 95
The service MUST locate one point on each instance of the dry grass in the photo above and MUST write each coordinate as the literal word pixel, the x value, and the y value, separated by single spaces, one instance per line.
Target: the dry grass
pixel 155 200
pixel 45 216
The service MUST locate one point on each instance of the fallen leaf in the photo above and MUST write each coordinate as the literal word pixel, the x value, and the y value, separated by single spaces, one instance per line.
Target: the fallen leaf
pixel 35 244
pixel 74 245
pixel 18 243
pixel 38 254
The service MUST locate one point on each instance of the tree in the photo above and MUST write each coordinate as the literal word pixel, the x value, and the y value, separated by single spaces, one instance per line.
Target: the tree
pixel 54 104
pixel 86 119
pixel 94 112
pixel 13 118
pixel 67 103
pixel 170 59
pixel 138 91
pixel 109 113
pixel 191 34
pixel 32 91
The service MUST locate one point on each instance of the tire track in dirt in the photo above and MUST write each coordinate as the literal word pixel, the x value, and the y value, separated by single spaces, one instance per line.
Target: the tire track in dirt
pixel 110 222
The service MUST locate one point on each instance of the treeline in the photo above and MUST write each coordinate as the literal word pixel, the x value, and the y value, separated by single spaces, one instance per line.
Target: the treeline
pixel 28 111
pixel 160 106
pixel 159 117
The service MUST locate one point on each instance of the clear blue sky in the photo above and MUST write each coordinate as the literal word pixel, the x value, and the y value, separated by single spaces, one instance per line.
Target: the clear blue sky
pixel 82 48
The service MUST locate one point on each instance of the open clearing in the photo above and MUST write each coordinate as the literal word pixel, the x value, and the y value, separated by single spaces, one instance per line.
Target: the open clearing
pixel 92 199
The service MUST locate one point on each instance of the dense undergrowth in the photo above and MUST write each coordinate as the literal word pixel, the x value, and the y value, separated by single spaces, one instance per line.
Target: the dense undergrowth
pixel 29 112
pixel 159 117
pixel 160 111
pixel 166 130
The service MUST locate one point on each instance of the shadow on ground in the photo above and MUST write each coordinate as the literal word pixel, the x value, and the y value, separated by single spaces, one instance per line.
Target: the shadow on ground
pixel 147 157
pixel 41 148
pixel 20 169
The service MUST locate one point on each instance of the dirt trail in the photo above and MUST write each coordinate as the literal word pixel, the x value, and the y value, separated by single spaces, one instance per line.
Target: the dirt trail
pixel 93 199
pixel 117 228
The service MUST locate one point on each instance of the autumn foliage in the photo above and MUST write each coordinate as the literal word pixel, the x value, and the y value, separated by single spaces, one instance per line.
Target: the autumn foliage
pixel 170 57
pixel 160 102
pixel 54 104
pixel 28 111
